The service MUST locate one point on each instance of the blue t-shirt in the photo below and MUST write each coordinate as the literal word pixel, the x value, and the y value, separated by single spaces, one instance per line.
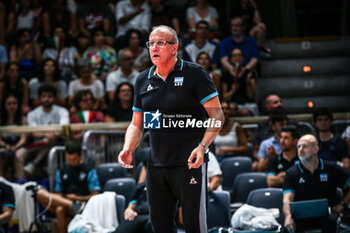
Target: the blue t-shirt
pixel 266 143
pixel 248 46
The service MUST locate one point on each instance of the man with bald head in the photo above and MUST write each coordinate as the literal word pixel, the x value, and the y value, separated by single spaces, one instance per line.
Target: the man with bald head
pixel 274 106
pixel 169 97
pixel 310 179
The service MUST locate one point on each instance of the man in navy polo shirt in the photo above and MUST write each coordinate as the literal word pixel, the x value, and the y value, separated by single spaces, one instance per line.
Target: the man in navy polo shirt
pixel 246 44
pixel 278 165
pixel 312 178
pixel 172 99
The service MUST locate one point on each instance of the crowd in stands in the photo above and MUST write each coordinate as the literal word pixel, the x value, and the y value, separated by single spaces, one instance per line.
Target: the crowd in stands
pixel 76 61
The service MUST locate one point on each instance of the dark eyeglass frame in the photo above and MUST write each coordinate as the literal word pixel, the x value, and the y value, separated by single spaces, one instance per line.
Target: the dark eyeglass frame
pixel 158 43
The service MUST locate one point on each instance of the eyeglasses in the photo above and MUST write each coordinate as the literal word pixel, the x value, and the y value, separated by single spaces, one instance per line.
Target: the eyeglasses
pixel 128 58
pixel 237 55
pixel 159 43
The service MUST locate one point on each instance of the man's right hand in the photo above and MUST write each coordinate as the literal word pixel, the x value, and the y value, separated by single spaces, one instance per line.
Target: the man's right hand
pixel 125 159
pixel 289 224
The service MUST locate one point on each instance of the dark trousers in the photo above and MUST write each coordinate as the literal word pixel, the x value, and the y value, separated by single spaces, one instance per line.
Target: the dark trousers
pixel 141 224
pixel 168 186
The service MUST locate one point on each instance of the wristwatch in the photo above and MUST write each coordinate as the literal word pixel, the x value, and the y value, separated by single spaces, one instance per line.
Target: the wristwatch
pixel 206 148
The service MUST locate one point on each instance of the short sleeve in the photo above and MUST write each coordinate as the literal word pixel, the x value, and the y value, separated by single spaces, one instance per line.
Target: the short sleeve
pixel 190 14
pixel 262 150
pixel 64 116
pixel 343 148
pixel 58 183
pixel 100 89
pixel 71 88
pixel 346 133
pixel 8 197
pixel 137 106
pixel 63 89
pixel 271 166
pixel 205 88
pixel 3 55
pixel 213 12
pixel 110 84
pixel 94 184
pixel 289 181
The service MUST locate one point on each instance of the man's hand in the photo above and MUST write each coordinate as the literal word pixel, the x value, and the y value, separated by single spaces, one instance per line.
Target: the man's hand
pixel 198 155
pixel 71 196
pixel 130 214
pixel 125 159
pixel 271 151
pixel 289 223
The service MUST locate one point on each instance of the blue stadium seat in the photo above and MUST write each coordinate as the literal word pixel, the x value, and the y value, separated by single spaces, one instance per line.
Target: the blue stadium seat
pixel 106 171
pixel 233 166
pixel 120 202
pixel 246 182
pixel 218 209
pixel 267 198
pixel 123 186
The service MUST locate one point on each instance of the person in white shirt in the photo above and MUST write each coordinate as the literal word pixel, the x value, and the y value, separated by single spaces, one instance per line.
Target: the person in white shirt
pixel 125 73
pixel 46 114
pixel 133 14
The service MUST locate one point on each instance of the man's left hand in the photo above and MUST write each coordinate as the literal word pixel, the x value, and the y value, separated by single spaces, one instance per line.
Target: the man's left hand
pixel 196 158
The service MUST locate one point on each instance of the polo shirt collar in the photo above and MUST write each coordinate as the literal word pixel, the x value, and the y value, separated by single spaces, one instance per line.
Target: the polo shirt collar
pixel 320 166
pixel 178 67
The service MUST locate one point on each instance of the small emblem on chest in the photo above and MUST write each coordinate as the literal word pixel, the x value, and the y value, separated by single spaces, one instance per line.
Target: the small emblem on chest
pixel 149 87
pixel 323 177
pixel 178 81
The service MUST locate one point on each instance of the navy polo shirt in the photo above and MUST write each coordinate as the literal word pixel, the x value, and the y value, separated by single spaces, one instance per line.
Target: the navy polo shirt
pixel 248 46
pixel 321 184
pixel 334 149
pixel 178 98
pixel 279 164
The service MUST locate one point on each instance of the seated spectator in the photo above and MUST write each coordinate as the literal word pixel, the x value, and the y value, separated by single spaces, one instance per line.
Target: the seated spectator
pixel 87 81
pixel 246 44
pixel 249 12
pixel 163 15
pixel 134 14
pixel 63 51
pixel 346 136
pixel 3 61
pixel 125 73
pixel 25 16
pixel 46 114
pixel 15 84
pixel 75 184
pixel 140 53
pixel 273 105
pixel 278 165
pixel 12 145
pixel 271 146
pixel 312 178
pixel 331 147
pixel 84 104
pixel 240 87
pixel 201 43
pixel 58 15
pixel 26 53
pixel 231 140
pixel 49 73
pixel 204 60
pixel 92 14
pixel 120 108
pixel 7 202
pixel 103 57
pixel 202 11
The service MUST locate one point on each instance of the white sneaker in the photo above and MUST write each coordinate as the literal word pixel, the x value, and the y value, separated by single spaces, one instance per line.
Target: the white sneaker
pixel 29 168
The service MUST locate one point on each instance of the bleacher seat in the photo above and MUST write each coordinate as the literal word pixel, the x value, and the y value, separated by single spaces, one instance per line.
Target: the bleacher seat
pixel 124 186
pixel 233 166
pixel 267 198
pixel 218 209
pixel 246 182
pixel 106 171
pixel 120 202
